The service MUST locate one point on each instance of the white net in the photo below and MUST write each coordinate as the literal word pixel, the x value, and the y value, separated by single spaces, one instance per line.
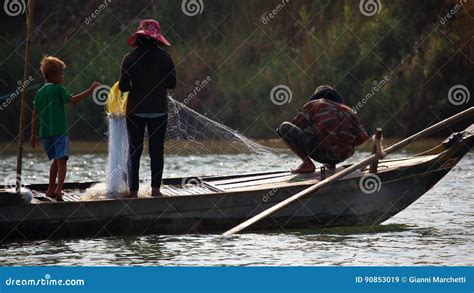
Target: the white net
pixel 117 168
pixel 188 133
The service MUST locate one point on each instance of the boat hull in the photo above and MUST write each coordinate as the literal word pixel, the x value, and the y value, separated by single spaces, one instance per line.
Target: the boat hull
pixel 341 204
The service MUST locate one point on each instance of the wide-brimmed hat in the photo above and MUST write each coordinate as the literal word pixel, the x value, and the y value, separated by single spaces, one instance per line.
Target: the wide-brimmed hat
pixel 151 29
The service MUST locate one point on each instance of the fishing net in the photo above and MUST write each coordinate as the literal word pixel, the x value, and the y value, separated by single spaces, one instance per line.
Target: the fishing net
pixel 188 133
pixel 117 169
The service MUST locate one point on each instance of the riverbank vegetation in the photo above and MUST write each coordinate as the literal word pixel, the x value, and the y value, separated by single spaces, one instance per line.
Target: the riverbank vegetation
pixel 396 66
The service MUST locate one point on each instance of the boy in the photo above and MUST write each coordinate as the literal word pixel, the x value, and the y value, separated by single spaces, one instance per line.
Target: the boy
pixel 325 130
pixel 49 109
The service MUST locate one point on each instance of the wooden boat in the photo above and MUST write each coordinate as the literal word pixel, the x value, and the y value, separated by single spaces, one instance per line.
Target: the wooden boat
pixel 218 203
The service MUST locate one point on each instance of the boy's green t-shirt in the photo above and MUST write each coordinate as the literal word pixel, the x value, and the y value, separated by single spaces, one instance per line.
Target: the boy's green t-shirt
pixel 50 103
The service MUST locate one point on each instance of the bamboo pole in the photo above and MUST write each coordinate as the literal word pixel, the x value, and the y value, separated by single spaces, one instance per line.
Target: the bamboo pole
pixel 24 96
pixel 313 189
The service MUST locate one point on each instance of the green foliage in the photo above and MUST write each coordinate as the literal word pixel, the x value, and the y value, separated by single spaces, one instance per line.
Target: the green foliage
pixel 305 44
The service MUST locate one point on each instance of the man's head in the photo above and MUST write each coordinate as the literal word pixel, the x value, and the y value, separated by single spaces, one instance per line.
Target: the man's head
pixel 328 93
pixel 321 88
pixel 52 69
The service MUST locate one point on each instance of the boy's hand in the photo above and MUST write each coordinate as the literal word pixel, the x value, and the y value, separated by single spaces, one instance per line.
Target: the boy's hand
pixel 94 85
pixel 90 91
pixel 34 141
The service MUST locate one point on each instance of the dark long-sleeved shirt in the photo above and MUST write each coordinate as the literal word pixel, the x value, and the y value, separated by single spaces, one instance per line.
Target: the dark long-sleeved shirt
pixel 147 72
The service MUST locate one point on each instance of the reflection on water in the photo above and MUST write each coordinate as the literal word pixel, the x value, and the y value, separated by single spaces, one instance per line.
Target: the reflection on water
pixel 438 229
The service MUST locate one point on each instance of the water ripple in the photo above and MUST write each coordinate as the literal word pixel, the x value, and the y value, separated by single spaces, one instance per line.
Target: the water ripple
pixel 438 229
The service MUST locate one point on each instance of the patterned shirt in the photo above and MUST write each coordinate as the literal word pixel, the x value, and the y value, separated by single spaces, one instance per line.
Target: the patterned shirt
pixel 334 125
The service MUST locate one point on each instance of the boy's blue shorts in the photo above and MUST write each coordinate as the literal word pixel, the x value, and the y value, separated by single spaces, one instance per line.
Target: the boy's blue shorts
pixel 56 147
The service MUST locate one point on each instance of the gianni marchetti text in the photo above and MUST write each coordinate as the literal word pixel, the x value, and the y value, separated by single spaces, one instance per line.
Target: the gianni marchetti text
pixel 437 279
pixel 411 279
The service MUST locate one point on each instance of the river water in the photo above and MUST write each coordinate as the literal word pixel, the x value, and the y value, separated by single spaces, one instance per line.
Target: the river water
pixel 438 229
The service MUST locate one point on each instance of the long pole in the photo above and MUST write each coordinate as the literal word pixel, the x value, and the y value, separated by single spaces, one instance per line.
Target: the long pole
pixel 24 96
pixel 336 176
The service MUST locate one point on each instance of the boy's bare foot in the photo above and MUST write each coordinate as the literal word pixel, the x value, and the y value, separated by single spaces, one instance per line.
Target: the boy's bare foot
pixel 155 192
pixel 132 194
pixel 306 167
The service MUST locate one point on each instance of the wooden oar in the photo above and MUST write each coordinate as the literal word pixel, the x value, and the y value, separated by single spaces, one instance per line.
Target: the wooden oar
pixel 348 170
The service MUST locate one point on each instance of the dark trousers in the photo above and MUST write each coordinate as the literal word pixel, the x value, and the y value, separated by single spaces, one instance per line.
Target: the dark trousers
pixel 306 142
pixel 293 134
pixel 156 140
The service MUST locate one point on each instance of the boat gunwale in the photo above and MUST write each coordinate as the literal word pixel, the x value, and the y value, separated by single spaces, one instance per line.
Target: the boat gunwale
pixel 300 185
